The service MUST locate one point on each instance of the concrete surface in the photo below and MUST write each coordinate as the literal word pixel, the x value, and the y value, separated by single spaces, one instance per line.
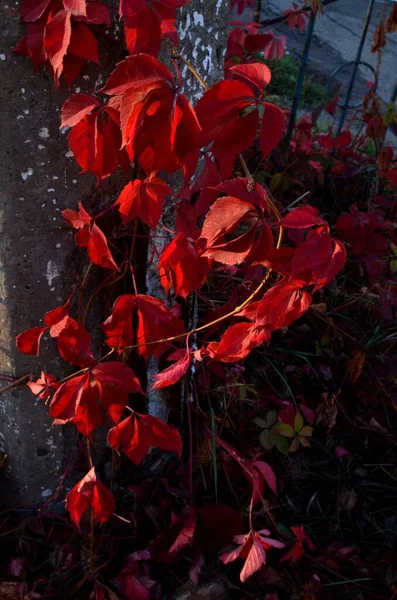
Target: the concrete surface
pixel 336 38
pixel 39 262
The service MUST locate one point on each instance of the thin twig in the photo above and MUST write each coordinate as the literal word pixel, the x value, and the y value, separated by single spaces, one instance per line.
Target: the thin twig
pixel 81 292
pixel 20 381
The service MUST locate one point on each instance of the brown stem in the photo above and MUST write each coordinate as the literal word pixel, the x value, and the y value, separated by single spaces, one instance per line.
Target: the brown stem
pixel 86 368
pixel 20 381
pixel 99 289
pixel 81 292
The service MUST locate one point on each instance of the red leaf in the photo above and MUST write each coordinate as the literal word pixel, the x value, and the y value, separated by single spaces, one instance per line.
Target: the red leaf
pixel 220 105
pixel 186 534
pixel 143 199
pixel 32 10
pixel 272 128
pixel 344 139
pixel 83 43
pixel 72 66
pixel 238 341
pixel 182 267
pixel 256 75
pixel 185 135
pixel 28 342
pixel 98 249
pixel 56 41
pixel 176 538
pixel 302 217
pixel 336 263
pixel 115 381
pixel 237 136
pixel 74 344
pixel 267 473
pixel 90 492
pixel 255 560
pixel 279 307
pixel 174 373
pixel 118 327
pixel 68 397
pixel 253 548
pixel 233 252
pixel 44 385
pixel 130 7
pixel 143 32
pixel 138 433
pixel 98 14
pixel 76 108
pixel 89 414
pixel 224 215
pixel 56 317
pixel 95 142
pixel 76 7
pixel 139 72
pixel 155 322
pixel 312 255
pixel 241 188
pixel 32 44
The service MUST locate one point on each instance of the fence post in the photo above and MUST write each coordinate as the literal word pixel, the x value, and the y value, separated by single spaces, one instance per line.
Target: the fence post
pixel 301 77
pixel 356 65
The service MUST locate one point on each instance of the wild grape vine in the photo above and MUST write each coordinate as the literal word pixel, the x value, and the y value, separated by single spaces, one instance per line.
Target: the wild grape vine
pixel 225 223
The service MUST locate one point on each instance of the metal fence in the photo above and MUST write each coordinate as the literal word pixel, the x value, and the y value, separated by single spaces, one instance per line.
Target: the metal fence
pixel 346 105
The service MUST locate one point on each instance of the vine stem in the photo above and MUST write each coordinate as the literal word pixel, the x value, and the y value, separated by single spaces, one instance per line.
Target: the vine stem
pixel 81 291
pixel 16 383
pixel 87 368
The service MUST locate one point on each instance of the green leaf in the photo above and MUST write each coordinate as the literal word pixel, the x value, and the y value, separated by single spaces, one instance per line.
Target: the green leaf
pixel 294 445
pixel 275 181
pixel 306 431
pixel 282 445
pixel 285 430
pixel 261 423
pixel 298 423
pixel 393 265
pixel 267 438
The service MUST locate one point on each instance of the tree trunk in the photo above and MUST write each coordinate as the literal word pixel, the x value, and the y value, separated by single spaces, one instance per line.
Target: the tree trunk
pixel 202 30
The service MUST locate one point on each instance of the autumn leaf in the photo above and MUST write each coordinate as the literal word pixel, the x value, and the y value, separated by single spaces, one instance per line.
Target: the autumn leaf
pixel 174 373
pixel 90 492
pixel 143 199
pixel 138 433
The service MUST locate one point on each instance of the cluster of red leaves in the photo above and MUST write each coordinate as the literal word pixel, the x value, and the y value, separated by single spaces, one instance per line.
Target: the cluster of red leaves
pixel 146 23
pixel 59 36
pixel 245 40
pixel 296 17
pixel 59 32
pixel 155 125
